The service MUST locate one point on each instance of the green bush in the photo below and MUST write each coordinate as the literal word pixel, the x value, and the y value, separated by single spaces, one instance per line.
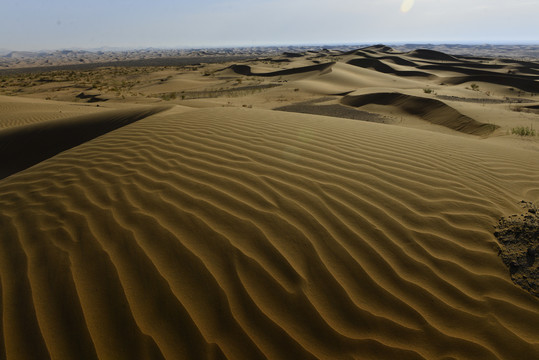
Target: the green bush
pixel 523 131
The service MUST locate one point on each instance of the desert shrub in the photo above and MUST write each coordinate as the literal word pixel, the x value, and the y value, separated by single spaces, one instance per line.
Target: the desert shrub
pixel 427 90
pixel 168 96
pixel 474 87
pixel 523 131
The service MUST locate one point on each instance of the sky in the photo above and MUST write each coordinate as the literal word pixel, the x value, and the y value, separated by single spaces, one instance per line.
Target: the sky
pixel 66 24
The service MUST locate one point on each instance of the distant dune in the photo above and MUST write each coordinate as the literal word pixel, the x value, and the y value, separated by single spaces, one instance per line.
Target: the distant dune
pixel 246 70
pixel 333 206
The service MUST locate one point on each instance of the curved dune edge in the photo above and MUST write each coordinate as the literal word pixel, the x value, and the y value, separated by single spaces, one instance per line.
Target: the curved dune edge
pixel 24 146
pixel 246 70
pixel 375 64
pixel 431 110
pixel 248 234
pixel 427 54
pixel 523 84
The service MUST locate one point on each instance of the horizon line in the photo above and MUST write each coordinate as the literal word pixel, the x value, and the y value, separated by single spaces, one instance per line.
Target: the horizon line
pixel 277 45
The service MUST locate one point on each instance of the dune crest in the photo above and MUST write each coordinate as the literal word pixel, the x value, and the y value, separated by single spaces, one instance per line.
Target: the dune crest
pixel 24 146
pixel 246 70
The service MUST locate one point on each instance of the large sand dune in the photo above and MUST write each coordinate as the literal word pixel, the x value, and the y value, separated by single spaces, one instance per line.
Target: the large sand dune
pixel 186 218
pixel 251 234
pixel 431 110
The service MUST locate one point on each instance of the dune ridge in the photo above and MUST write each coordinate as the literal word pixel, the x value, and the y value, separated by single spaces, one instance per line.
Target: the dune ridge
pixel 18 111
pixel 378 65
pixel 524 84
pixel 432 110
pixel 250 234
pixel 427 54
pixel 246 70
pixel 24 146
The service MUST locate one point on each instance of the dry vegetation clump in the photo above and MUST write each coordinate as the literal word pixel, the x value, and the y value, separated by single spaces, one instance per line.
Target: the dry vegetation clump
pixel 116 80
pixel 221 92
pixel 523 131
pixel 519 239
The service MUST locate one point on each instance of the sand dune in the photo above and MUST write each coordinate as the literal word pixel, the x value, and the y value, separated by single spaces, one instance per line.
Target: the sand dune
pixel 426 54
pixel 398 60
pixel 330 108
pixel 522 84
pixel 386 69
pixel 24 146
pixel 246 70
pixel 250 234
pixel 458 69
pixel 185 218
pixel 432 110
pixel 345 77
pixel 17 111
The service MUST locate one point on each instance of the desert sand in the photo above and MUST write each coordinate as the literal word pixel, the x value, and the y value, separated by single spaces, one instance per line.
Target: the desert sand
pixel 315 205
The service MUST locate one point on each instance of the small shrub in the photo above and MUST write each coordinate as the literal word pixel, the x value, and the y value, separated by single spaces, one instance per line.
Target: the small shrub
pixel 169 96
pixel 474 87
pixel 427 90
pixel 523 131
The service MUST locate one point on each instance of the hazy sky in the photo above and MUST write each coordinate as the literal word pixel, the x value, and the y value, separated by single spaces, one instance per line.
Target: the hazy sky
pixel 59 24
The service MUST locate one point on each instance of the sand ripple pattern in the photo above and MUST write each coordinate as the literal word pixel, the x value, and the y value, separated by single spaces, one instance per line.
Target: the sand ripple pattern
pixel 246 234
pixel 23 112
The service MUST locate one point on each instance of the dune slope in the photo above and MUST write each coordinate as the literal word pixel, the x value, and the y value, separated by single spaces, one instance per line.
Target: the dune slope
pixel 24 146
pixel 19 111
pixel 431 110
pixel 246 70
pixel 251 234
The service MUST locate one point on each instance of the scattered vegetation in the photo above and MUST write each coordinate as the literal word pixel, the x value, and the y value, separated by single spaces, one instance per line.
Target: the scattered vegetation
pixel 427 90
pixel 518 236
pixel 226 92
pixel 474 87
pixel 168 96
pixel 118 80
pixel 523 131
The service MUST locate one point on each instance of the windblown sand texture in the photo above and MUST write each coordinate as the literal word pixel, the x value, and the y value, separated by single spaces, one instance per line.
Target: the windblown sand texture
pixel 197 231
